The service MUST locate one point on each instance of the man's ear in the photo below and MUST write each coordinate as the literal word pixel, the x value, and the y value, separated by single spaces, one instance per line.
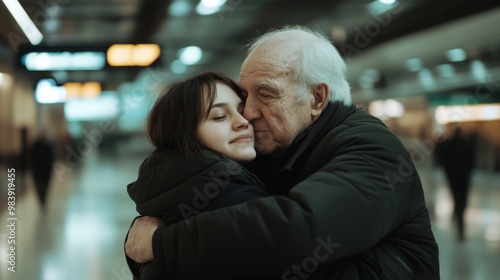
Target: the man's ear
pixel 321 95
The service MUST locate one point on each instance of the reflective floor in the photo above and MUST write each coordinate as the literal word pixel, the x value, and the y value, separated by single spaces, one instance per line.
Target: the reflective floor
pixel 80 234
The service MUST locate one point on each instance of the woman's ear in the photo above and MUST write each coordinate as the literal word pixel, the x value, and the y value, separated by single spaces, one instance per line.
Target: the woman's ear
pixel 321 95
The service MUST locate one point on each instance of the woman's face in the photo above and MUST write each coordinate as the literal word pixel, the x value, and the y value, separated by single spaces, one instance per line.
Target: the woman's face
pixel 225 130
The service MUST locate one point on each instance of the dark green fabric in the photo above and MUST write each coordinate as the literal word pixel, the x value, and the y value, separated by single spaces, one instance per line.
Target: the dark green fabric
pixel 175 188
pixel 347 197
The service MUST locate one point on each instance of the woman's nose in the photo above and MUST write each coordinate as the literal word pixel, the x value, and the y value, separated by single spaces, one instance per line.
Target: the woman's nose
pixel 251 110
pixel 241 122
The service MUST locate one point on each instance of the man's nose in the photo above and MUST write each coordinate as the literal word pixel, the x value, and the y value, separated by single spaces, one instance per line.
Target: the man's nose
pixel 251 110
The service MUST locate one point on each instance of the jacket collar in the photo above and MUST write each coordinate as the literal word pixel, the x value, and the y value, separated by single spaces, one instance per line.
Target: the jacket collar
pixel 287 168
pixel 333 115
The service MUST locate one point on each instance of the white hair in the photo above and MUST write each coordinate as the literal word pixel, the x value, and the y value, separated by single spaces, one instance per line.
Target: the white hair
pixel 318 62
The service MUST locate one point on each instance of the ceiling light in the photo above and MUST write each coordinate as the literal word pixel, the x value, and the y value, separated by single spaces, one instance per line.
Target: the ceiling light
pixel 479 71
pixel 381 6
pixel 414 64
pixel 456 55
pixel 24 21
pixel 368 78
pixel 426 78
pixel 446 70
pixel 47 91
pixel 44 61
pixel 179 8
pixel 393 108
pixel 467 113
pixel 190 55
pixel 385 109
pixel 208 7
pixel 132 55
pixel 104 107
pixel 1 78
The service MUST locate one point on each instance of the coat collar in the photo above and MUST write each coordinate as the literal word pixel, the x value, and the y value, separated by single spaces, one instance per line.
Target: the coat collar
pixel 288 167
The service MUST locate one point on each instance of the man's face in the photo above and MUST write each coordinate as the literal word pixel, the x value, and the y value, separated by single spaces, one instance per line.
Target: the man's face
pixel 271 102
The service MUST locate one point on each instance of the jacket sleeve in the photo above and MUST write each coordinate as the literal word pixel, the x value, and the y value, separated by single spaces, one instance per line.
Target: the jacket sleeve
pixel 347 206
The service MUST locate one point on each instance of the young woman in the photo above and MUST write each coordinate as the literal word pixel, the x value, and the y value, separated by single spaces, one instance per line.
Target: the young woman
pixel 201 140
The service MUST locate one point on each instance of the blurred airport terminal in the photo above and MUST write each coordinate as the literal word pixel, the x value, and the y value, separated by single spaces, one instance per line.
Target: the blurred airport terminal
pixel 79 76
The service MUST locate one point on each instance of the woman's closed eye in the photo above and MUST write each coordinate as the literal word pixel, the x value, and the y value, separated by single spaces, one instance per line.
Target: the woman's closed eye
pixel 219 118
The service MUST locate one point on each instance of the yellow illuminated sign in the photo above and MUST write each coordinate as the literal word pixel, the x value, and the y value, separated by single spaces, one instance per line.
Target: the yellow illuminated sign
pixel 132 55
pixel 85 90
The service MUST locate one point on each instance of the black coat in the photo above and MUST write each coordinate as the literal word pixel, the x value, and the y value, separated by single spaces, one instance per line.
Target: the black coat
pixel 175 188
pixel 348 199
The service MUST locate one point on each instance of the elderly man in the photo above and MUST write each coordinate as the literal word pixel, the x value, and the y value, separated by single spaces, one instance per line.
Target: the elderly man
pixel 346 203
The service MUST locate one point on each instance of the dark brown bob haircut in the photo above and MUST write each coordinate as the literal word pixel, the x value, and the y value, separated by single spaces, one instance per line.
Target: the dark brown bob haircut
pixel 174 118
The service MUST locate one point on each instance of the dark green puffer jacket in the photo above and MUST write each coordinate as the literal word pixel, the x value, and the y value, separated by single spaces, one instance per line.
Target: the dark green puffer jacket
pixel 348 204
pixel 175 188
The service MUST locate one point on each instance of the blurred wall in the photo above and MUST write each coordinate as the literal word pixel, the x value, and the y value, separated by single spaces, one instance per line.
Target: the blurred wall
pixel 18 111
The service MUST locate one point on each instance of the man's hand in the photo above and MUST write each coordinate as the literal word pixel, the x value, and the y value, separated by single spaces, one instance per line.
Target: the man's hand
pixel 139 245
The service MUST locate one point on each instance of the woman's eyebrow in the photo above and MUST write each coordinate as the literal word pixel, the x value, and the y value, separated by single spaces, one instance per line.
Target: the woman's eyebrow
pixel 218 105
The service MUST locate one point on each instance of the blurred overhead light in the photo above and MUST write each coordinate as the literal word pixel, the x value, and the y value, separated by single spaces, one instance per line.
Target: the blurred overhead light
pixel 82 90
pixel 380 7
pixel 479 71
pixel 446 70
pixel 179 8
pixel 368 78
pixel 24 21
pixel 426 78
pixel 393 108
pixel 1 78
pixel 103 108
pixel 51 25
pixel 208 7
pixel 385 109
pixel 45 61
pixel 47 91
pixel 467 113
pixel 414 64
pixel 132 55
pixel 456 55
pixel 190 55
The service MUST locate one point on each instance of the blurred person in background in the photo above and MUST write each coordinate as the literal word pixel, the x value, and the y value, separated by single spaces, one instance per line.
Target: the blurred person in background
pixel 457 155
pixel 196 165
pixel 42 157
pixel 346 201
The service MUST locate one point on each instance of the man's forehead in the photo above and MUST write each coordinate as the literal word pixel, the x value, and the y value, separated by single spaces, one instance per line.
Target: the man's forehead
pixel 265 69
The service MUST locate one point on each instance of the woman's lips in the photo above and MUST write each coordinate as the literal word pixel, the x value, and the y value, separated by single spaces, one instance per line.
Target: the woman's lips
pixel 242 138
